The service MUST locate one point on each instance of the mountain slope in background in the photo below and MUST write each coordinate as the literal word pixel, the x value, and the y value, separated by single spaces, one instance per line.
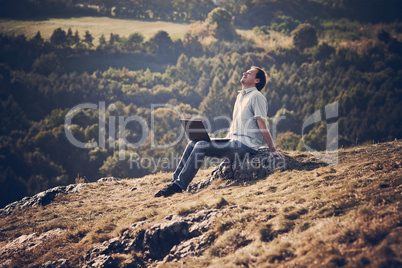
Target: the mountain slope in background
pixel 346 215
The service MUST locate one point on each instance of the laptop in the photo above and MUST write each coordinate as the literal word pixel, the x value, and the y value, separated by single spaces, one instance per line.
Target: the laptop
pixel 196 131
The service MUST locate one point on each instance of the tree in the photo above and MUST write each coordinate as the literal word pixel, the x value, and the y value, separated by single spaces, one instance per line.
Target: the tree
pixel 192 46
pixel 12 187
pixel 284 24
pixel 47 64
pixel 102 41
pixel 59 37
pixel 286 120
pixel 223 20
pixel 76 38
pixel 304 36
pixel 111 39
pixel 70 37
pixel 12 117
pixel 88 38
pixel 216 104
pixel 384 37
pixel 134 42
pixel 160 44
pixel 288 141
pixel 323 51
pixel 38 40
pixel 221 17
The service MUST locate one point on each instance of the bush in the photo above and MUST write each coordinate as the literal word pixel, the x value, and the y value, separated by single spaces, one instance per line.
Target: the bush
pixel 284 24
pixel 47 64
pixel 323 51
pixel 304 36
pixel 224 23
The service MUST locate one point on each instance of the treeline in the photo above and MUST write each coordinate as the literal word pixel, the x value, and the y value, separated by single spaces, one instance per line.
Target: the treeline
pixel 245 12
pixel 43 8
pixel 36 95
pixel 46 56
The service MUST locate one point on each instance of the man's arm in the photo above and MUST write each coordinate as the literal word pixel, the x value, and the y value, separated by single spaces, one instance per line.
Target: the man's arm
pixel 267 136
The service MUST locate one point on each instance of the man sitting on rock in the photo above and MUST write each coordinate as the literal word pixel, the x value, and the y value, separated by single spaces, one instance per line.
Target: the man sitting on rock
pixel 247 133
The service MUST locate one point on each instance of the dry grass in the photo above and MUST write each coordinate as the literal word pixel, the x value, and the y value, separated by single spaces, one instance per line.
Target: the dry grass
pixel 364 39
pixel 274 41
pixel 95 25
pixel 124 27
pixel 345 215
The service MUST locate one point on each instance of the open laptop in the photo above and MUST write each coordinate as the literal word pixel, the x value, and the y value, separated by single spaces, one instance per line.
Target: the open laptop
pixel 196 131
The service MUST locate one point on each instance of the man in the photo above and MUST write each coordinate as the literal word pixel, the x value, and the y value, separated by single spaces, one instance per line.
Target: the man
pixel 247 133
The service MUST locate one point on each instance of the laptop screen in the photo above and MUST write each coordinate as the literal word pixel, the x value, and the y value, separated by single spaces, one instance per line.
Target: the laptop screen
pixel 195 129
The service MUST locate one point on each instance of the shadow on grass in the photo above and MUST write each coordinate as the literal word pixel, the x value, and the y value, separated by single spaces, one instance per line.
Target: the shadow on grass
pixel 302 161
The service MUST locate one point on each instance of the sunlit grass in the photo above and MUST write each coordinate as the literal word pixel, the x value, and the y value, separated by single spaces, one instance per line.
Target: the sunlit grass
pixel 95 25
pixel 269 42
pixel 124 27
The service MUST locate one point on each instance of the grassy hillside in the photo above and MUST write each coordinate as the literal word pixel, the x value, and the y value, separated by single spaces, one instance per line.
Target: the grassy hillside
pixel 95 25
pixel 345 215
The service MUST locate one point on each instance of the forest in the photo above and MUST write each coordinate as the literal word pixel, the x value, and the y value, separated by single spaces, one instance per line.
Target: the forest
pixel 348 52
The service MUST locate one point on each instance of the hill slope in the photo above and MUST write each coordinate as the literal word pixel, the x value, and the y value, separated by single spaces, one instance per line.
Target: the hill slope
pixel 345 215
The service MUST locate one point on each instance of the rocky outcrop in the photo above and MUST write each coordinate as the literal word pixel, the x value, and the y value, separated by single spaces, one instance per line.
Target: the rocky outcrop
pixel 41 199
pixel 108 179
pixel 44 198
pixel 175 237
pixel 26 243
pixel 255 167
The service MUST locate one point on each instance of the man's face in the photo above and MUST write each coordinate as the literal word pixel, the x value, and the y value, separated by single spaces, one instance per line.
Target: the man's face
pixel 248 78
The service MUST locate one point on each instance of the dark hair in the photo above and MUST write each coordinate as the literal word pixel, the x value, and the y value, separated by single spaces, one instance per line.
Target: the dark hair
pixel 262 75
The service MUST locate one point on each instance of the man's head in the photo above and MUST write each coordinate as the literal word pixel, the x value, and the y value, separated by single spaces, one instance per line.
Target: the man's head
pixel 255 77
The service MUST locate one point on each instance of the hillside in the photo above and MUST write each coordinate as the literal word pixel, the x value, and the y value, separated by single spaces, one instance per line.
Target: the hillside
pixel 155 61
pixel 308 215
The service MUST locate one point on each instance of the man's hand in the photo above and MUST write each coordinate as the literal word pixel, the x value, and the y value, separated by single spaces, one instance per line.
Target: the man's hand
pixel 277 154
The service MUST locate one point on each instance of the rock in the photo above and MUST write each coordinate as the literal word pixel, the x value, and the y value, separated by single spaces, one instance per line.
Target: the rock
pixel 41 199
pixel 62 263
pixel 159 239
pixel 101 261
pixel 109 179
pixel 255 167
pixel 26 243
pixel 192 247
pixel 175 237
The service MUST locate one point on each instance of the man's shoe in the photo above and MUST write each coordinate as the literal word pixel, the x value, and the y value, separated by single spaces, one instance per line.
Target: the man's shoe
pixel 169 190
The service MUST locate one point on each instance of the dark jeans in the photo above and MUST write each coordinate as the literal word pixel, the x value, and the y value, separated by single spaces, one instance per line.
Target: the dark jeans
pixel 195 153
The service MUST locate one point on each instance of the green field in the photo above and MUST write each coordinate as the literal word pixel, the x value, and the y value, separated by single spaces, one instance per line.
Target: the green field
pixel 95 25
